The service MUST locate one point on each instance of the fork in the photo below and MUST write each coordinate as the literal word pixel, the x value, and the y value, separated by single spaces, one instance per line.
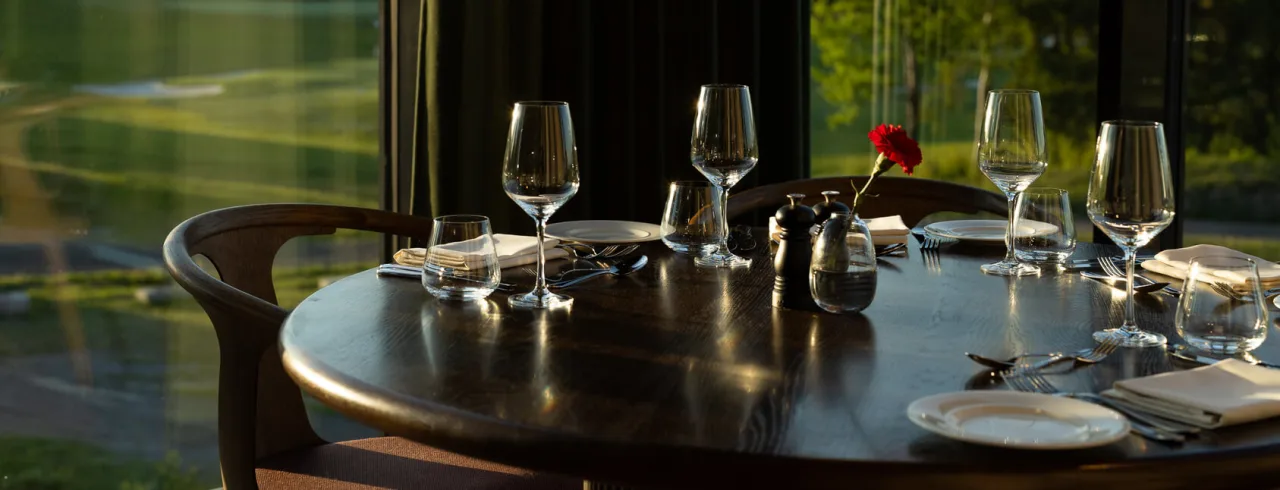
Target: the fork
pixel 1020 379
pixel 607 252
pixel 610 252
pixel 1093 356
pixel 929 241
pixel 1039 384
pixel 1229 292
pixel 1109 266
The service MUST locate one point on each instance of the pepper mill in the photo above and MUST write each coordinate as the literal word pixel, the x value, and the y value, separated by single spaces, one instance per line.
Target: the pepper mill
pixel 791 264
pixel 823 210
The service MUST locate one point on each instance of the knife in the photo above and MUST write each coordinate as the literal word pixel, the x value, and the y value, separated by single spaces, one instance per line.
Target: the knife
pixel 1188 354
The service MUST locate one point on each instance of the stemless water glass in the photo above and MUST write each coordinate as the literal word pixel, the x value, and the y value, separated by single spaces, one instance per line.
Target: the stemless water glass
pixel 1221 309
pixel 540 173
pixel 689 222
pixel 1011 152
pixel 724 150
pixel 1131 200
pixel 1051 207
pixel 461 261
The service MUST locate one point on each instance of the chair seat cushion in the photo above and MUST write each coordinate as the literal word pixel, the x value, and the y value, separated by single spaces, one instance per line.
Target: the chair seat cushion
pixel 392 462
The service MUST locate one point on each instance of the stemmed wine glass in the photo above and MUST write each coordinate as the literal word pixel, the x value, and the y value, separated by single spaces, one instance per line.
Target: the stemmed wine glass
pixel 540 173
pixel 724 150
pixel 1011 152
pixel 1131 200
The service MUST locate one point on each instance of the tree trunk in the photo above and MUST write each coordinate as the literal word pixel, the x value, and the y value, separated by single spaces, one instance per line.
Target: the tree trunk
pixel 984 75
pixel 913 87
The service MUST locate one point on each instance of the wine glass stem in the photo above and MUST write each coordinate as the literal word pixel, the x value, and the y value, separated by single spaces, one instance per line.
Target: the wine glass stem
pixel 540 286
pixel 1130 324
pixel 723 219
pixel 1010 254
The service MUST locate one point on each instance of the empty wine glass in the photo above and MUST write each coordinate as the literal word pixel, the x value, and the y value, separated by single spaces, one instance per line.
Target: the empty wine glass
pixel 1221 309
pixel 724 150
pixel 1131 200
pixel 1011 152
pixel 540 173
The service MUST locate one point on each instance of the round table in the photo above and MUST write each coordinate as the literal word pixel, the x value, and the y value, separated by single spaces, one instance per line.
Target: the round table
pixel 678 376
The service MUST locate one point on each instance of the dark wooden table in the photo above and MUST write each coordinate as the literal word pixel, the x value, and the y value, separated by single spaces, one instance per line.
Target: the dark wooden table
pixel 678 376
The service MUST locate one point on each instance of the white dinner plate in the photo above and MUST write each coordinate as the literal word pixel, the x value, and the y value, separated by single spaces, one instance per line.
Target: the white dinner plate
pixel 1018 420
pixel 604 231
pixel 987 230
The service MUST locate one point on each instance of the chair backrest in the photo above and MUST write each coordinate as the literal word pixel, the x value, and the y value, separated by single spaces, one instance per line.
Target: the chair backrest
pixel 910 197
pixel 260 409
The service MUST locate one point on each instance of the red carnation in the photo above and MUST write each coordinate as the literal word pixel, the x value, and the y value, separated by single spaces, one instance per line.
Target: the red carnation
pixel 896 146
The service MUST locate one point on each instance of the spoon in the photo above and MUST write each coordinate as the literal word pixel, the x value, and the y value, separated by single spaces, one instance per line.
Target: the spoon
pixel 1142 284
pixel 620 269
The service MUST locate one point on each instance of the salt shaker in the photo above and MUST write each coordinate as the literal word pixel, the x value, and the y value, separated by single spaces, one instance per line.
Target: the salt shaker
pixel 791 264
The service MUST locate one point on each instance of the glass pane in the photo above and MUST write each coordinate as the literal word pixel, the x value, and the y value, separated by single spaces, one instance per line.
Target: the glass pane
pixel 118 120
pixel 928 65
pixel 1232 127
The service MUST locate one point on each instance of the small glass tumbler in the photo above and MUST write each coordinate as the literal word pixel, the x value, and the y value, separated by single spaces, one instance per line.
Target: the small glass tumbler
pixel 1052 207
pixel 461 262
pixel 1221 309
pixel 689 223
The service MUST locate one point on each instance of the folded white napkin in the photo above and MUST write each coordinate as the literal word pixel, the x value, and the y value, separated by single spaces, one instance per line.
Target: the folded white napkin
pixel 1177 263
pixel 1225 393
pixel 884 231
pixel 513 250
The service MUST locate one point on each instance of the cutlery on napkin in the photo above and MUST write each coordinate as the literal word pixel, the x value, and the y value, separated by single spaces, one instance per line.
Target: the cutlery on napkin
pixel 1225 393
pixel 1177 263
pixel 513 250
pixel 884 231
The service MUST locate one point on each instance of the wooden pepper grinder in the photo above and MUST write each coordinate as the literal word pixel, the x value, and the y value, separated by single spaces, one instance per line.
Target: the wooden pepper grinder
pixel 791 264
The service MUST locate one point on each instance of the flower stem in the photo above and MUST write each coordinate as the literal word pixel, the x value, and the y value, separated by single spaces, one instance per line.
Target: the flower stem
pixel 858 193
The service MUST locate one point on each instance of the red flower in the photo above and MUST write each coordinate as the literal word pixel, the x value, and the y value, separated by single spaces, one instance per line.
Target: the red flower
pixel 896 146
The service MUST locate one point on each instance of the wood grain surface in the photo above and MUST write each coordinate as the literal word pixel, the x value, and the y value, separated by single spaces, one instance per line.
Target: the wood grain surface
pixel 679 376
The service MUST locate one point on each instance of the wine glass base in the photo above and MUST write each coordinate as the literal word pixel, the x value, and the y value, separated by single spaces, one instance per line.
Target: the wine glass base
pixel 1005 268
pixel 539 300
pixel 721 260
pixel 1125 338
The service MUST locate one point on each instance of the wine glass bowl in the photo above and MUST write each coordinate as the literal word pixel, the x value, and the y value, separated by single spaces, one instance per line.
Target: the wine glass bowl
pixel 1011 152
pixel 540 173
pixel 724 150
pixel 1131 200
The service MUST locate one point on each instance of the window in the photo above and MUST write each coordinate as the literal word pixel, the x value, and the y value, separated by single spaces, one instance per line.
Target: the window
pixel 118 120
pixel 928 65
pixel 1232 126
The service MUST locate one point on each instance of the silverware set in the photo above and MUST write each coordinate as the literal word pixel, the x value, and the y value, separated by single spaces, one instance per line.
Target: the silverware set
pixel 1110 267
pixel 573 277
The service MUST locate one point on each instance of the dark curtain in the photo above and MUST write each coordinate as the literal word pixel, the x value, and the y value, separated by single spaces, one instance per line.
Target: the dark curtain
pixel 630 71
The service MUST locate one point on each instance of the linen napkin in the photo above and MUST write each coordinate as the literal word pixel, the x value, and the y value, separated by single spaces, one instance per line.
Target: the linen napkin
pixel 884 231
pixel 1177 263
pixel 1227 392
pixel 513 250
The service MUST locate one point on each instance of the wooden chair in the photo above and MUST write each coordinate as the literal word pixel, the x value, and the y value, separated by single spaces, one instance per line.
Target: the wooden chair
pixel 910 197
pixel 264 437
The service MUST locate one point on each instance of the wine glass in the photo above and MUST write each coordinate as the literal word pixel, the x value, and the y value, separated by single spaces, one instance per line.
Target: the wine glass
pixel 1131 200
pixel 540 173
pixel 1011 152
pixel 724 150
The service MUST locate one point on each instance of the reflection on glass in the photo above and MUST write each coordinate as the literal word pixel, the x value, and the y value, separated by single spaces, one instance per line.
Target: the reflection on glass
pixel 118 120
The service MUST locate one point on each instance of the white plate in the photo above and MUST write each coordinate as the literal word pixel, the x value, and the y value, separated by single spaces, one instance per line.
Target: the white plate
pixel 604 231
pixel 987 230
pixel 1018 420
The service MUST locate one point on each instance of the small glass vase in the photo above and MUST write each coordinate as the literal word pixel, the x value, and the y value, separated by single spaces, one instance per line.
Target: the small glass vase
pixel 842 273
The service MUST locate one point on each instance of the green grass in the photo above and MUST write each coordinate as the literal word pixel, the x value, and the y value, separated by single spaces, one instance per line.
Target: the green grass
pixel 42 464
